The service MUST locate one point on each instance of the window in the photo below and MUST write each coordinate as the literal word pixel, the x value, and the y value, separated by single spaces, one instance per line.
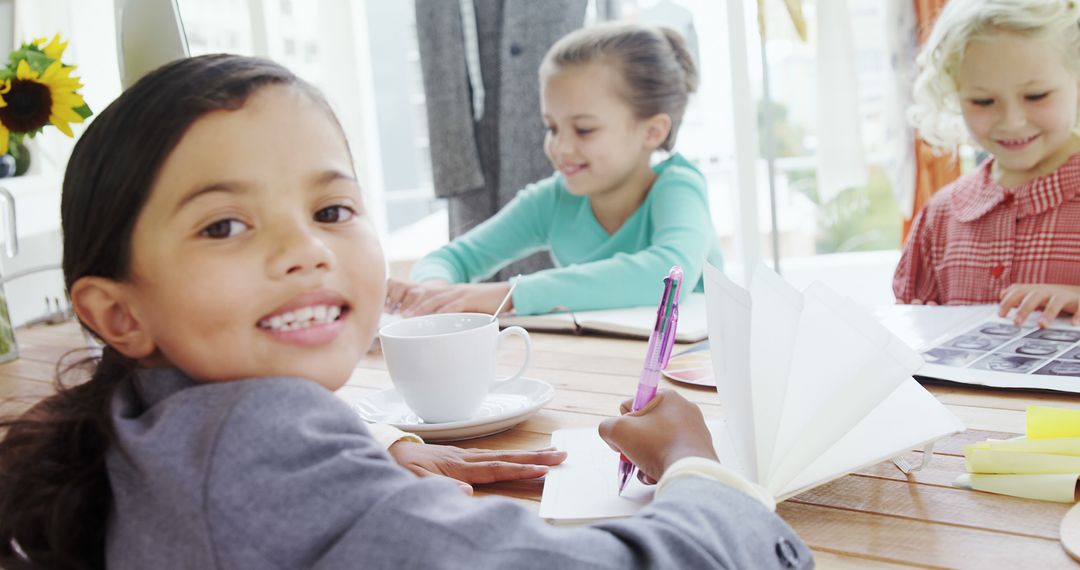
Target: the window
pixel 706 135
pixel 815 220
pixel 847 236
pixel 364 57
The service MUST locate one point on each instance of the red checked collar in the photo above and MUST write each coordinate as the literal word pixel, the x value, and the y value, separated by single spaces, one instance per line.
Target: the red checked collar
pixel 976 195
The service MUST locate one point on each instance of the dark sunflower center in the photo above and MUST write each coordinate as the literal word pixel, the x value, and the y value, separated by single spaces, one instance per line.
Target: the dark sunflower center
pixel 28 106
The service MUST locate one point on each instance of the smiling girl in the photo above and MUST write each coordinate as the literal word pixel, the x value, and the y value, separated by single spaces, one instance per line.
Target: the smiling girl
pixel 614 223
pixel 1008 232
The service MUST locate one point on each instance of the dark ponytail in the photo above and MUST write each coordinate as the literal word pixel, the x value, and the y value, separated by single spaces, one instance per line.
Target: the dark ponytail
pixel 54 490
pixel 55 496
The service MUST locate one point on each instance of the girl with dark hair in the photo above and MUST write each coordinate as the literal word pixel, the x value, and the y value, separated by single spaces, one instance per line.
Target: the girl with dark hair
pixel 212 198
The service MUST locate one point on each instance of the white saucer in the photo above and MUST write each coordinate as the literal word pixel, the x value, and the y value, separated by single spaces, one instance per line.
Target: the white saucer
pixel 507 405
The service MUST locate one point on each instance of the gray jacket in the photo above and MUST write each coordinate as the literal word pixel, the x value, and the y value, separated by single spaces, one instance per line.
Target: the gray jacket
pixel 279 473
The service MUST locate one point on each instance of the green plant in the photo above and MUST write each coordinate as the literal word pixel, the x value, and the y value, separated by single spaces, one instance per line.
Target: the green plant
pixel 860 219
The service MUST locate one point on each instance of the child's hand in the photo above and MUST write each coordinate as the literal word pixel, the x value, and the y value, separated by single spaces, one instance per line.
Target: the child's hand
pixel 467 466
pixel 1051 298
pixel 461 298
pixel 666 430
pixel 403 295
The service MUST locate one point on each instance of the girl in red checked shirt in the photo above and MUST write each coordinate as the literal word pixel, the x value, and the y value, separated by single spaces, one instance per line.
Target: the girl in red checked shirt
pixel 1009 231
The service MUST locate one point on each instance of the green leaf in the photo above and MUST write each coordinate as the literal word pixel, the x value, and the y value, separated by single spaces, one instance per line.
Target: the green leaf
pixel 6 73
pixel 16 56
pixel 38 61
pixel 29 134
pixel 7 334
pixel 83 111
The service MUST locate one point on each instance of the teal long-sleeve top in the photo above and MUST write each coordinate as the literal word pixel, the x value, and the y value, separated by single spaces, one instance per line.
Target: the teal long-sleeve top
pixel 593 269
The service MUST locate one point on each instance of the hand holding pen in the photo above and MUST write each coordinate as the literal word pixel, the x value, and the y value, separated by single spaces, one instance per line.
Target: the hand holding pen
pixel 666 430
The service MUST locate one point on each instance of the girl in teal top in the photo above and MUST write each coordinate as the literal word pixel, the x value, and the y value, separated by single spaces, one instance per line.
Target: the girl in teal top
pixel 614 224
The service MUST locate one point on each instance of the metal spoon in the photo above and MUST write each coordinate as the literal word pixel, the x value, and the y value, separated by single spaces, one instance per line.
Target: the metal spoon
pixel 513 283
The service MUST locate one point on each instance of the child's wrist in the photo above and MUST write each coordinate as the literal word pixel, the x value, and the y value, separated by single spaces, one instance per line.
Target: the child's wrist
pixel 677 452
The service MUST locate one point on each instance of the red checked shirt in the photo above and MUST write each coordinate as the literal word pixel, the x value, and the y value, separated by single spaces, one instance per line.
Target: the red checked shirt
pixel 975 238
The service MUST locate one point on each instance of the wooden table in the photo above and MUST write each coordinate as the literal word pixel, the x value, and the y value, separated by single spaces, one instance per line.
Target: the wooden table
pixel 876 518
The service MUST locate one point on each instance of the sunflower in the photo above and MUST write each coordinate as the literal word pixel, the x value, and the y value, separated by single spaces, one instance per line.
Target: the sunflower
pixel 33 100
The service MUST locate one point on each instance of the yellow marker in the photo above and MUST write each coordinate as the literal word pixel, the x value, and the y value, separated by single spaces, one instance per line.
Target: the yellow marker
pixel 1046 422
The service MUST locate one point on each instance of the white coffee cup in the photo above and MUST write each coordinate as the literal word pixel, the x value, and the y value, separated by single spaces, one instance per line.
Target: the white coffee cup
pixel 444 365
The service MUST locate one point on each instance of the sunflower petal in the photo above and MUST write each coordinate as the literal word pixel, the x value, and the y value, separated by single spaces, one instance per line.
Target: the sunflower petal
pixel 56 48
pixel 66 115
pixel 53 73
pixel 5 138
pixel 67 101
pixel 62 126
pixel 23 71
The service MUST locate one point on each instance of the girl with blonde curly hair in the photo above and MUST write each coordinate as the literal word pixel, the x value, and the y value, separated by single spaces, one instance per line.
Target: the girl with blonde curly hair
pixel 1004 75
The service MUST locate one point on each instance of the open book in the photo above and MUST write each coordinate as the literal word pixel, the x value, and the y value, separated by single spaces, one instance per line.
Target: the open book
pixel 634 321
pixel 811 387
pixel 973 345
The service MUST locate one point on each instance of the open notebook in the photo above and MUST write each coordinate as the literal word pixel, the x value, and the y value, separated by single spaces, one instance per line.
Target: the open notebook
pixel 973 345
pixel 634 321
pixel 812 389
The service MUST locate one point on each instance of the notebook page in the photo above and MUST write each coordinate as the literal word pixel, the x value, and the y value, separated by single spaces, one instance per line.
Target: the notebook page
pixel 857 316
pixel 546 322
pixel 585 487
pixel 728 309
pixel 639 321
pixel 907 419
pixel 773 326
pixel 842 368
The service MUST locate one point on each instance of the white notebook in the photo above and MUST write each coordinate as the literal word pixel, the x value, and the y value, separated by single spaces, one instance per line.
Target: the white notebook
pixel 633 322
pixel 812 389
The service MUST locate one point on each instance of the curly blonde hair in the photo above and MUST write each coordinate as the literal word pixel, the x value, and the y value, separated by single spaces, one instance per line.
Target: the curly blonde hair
pixel 936 109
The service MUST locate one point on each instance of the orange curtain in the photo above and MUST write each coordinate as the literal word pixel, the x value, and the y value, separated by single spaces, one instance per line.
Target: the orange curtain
pixel 931 172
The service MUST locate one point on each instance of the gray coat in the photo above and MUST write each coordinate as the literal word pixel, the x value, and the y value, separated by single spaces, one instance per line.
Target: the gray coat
pixel 478 166
pixel 280 473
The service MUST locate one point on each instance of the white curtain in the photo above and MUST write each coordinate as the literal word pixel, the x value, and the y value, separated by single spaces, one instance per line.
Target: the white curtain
pixel 841 160
pixel 903 45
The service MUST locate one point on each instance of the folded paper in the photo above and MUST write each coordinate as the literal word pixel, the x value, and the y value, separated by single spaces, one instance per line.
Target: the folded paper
pixel 1058 487
pixel 1056 446
pixel 993 461
pixel 1044 465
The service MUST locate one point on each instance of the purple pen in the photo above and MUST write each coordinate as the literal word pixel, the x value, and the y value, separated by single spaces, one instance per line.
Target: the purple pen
pixel 656 357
